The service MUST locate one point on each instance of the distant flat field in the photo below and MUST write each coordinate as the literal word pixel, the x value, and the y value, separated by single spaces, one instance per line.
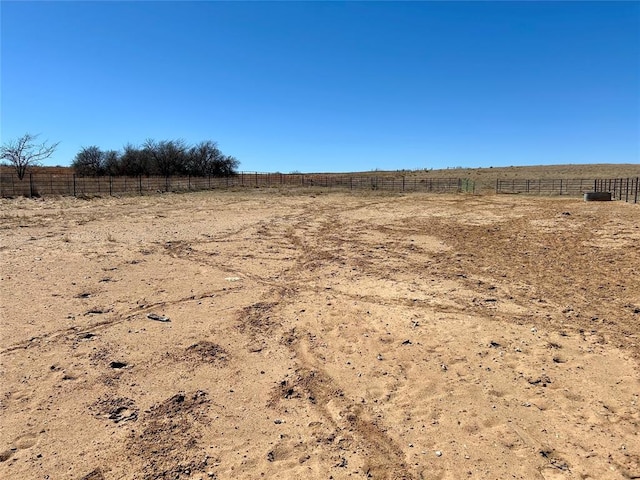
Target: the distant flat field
pixel 313 334
pixel 485 178
pixel 548 171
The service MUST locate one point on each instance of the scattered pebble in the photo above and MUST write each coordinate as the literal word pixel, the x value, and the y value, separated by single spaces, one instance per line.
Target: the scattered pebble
pixel 438 453
pixel 158 318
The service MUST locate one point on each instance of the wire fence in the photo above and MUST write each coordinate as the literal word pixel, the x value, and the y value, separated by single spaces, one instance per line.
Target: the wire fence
pixel 65 184
pixel 626 189
pixel 563 186
pixel 40 184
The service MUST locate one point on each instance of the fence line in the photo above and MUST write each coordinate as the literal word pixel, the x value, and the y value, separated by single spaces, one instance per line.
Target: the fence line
pixel 576 186
pixel 621 188
pixel 627 189
pixel 38 184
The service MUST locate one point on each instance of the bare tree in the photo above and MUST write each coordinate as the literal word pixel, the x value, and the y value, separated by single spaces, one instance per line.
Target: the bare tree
pixel 169 156
pixel 25 152
pixel 203 158
pixel 89 161
pixel 112 164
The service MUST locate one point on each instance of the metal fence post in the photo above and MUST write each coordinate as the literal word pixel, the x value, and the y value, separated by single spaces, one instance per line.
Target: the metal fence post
pixel 626 191
pixel 74 184
pixel 30 185
pixel 620 191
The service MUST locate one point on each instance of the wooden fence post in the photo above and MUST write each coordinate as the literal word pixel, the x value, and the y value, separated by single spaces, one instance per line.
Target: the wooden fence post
pixel 74 184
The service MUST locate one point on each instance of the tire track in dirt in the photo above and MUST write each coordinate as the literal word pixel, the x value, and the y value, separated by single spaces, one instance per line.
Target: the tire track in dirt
pixel 383 457
pixel 62 334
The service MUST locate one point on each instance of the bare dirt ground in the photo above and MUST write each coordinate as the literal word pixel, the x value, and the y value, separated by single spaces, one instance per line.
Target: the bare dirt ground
pixel 316 335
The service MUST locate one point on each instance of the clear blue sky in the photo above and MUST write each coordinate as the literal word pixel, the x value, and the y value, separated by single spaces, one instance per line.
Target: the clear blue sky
pixel 330 86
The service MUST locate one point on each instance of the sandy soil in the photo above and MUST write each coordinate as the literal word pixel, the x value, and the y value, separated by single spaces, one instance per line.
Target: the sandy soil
pixel 316 335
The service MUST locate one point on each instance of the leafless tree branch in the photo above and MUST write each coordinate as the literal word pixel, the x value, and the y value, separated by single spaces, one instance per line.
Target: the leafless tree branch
pixel 24 152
